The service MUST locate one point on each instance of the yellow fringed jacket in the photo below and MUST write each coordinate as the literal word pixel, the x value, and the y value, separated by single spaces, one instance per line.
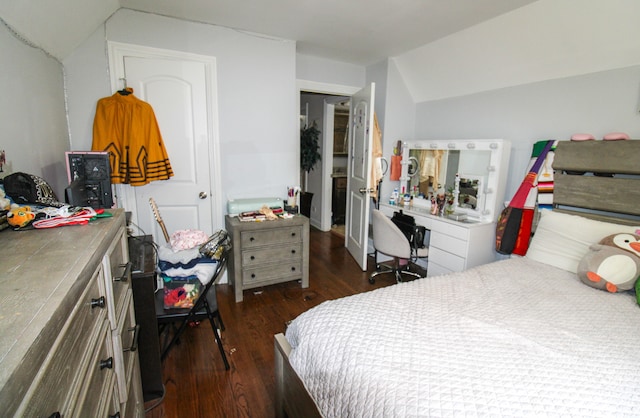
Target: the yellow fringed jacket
pixel 126 127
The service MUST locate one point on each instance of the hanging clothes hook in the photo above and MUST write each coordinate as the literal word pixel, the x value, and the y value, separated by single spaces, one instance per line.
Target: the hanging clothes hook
pixel 126 90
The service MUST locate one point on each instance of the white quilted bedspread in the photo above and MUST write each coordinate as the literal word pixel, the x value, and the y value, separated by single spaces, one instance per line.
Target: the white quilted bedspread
pixel 511 338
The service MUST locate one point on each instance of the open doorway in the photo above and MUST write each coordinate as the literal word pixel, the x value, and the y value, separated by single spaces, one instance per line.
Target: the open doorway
pixel 340 162
pixel 328 180
pixel 359 181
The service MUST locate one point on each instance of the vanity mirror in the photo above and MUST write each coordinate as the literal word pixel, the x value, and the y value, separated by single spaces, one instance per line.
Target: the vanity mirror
pixel 473 171
pixel 468 188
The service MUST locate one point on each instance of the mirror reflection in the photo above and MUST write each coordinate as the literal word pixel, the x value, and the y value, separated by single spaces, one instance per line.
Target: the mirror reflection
pixel 468 197
pixel 435 169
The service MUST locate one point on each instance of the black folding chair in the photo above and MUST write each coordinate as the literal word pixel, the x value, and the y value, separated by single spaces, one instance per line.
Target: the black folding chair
pixel 205 307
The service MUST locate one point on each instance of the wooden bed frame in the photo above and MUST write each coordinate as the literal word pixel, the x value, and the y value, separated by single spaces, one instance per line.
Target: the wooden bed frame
pixel 611 195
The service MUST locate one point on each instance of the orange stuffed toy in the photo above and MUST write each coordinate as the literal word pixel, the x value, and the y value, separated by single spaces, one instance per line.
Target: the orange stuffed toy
pixel 20 216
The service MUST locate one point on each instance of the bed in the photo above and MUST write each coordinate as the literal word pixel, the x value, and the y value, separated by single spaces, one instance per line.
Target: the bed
pixel 522 336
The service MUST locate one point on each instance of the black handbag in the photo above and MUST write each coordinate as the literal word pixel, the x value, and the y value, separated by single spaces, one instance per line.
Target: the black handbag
pixel 414 233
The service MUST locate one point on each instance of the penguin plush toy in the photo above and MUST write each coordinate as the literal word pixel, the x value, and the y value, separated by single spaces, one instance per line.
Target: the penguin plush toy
pixel 613 264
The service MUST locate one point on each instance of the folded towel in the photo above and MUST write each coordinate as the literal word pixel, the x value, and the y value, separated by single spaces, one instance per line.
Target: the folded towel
pixel 166 253
pixel 204 272
pixel 166 265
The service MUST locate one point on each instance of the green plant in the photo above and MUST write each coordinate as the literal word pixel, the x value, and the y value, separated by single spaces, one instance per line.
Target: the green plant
pixel 309 151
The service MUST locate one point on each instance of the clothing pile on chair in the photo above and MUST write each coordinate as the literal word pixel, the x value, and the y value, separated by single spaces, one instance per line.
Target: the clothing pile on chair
pixel 184 270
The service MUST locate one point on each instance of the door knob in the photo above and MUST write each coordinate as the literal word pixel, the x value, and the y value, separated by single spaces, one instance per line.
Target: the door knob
pixel 365 191
pixel 202 195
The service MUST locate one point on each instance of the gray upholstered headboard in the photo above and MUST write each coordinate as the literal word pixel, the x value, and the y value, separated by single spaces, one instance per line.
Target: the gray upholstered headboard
pixel 598 179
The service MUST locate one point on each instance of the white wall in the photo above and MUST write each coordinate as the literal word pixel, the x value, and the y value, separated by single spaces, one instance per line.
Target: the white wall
pixel 33 124
pixel 328 72
pixel 257 96
pixel 596 103
pixel 87 80
pixel 396 112
pixel 544 40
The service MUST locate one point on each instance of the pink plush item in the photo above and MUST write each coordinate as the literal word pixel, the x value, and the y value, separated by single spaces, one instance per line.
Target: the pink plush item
pixel 616 136
pixel 186 239
pixel 582 137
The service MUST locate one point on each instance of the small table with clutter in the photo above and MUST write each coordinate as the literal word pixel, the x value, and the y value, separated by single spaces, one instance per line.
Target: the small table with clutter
pixel 267 252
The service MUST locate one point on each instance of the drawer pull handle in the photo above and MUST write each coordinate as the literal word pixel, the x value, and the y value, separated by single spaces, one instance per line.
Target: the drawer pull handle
pixel 293 234
pixel 293 269
pixel 253 275
pixel 98 303
pixel 106 364
pixel 252 239
pixel 253 257
pixel 125 273
pixel 116 415
pixel 134 343
pixel 293 251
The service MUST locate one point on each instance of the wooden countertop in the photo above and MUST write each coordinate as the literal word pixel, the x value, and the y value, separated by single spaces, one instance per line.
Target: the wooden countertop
pixel 42 274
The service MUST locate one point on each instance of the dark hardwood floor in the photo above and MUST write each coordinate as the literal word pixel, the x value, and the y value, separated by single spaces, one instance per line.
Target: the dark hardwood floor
pixel 196 382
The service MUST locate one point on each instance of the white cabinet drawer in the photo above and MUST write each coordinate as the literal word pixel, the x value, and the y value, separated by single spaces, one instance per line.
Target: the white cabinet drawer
pixel 436 270
pixel 450 229
pixel 448 243
pixel 446 259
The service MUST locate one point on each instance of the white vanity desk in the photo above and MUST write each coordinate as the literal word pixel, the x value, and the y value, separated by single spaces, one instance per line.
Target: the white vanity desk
pixel 453 245
pixel 478 169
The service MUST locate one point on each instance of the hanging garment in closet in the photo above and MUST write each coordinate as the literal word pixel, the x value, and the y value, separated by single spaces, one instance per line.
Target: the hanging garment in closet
pixel 376 154
pixel 126 127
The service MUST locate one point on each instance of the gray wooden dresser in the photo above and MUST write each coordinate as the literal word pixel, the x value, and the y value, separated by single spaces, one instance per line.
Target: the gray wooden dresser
pixel 68 333
pixel 268 252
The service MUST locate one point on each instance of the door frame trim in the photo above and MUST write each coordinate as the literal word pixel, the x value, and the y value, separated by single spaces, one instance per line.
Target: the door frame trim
pixel 125 196
pixel 333 90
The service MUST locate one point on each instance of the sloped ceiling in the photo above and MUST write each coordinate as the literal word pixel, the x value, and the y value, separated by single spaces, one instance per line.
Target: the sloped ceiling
pixel 356 31
pixel 56 26
pixel 442 48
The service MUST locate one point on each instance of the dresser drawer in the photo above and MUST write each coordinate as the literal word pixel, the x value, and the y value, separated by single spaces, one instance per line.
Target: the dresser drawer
pixel 448 243
pixel 266 253
pixel 99 380
pixel 436 270
pixel 445 259
pixel 134 407
pixel 450 229
pixel 250 239
pixel 117 276
pixel 267 273
pixel 254 257
pixel 58 380
pixel 125 344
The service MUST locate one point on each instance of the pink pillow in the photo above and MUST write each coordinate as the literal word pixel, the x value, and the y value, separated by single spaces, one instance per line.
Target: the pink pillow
pixel 582 137
pixel 615 136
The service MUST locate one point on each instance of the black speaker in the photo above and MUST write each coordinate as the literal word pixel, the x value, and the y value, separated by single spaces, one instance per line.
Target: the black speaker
pixel 143 287
pixel 89 176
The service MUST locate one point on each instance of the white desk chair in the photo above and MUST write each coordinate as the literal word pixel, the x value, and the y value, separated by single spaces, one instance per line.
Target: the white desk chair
pixel 388 239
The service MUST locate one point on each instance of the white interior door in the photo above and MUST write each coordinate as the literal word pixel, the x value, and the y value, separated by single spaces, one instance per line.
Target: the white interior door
pixel 358 186
pixel 180 90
